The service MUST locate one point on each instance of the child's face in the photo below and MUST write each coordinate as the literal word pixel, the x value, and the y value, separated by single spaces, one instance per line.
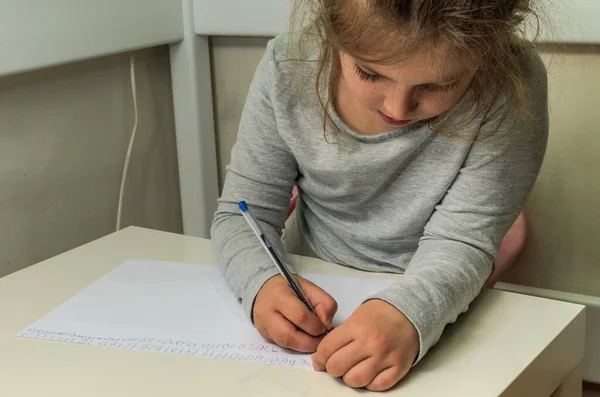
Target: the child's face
pixel 382 98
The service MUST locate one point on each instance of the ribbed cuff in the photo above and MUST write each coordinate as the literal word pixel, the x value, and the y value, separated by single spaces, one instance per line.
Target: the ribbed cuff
pixel 415 313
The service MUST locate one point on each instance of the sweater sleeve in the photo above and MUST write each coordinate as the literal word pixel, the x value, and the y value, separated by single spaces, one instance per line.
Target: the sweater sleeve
pixel 262 172
pixel 461 238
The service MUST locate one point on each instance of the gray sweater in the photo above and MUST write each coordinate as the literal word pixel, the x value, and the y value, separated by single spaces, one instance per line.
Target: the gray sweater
pixel 408 201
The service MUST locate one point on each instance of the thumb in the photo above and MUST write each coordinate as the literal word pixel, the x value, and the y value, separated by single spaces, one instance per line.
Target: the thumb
pixel 323 303
pixel 326 312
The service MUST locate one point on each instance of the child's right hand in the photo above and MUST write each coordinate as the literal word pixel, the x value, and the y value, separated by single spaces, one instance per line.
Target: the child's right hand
pixel 282 318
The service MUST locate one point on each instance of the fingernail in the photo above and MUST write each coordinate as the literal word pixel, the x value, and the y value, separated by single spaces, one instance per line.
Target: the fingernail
pixel 315 364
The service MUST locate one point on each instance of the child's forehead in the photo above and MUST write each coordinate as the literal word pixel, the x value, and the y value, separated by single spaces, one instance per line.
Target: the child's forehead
pixel 363 32
pixel 423 56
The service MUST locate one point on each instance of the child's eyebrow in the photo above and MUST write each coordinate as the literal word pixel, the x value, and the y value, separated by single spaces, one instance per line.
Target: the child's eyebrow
pixel 445 80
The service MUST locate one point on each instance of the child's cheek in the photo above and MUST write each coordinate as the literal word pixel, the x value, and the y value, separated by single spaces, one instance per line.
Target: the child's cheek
pixel 370 96
pixel 432 107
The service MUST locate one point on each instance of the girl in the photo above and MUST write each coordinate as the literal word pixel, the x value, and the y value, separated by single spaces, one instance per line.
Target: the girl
pixel 414 131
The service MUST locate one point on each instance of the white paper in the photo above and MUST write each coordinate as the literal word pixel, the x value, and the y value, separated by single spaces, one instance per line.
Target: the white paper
pixel 181 308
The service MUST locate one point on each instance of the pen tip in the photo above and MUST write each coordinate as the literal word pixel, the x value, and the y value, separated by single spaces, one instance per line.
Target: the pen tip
pixel 243 206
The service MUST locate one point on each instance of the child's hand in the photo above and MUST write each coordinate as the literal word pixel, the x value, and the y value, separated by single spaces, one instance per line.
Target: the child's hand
pixel 375 347
pixel 282 318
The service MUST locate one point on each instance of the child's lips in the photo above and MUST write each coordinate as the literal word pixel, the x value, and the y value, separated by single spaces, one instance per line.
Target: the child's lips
pixel 388 120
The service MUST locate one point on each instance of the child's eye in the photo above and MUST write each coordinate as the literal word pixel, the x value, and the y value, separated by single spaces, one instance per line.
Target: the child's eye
pixel 364 75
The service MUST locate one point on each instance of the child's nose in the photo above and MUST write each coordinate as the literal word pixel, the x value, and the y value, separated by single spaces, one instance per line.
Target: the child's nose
pixel 402 106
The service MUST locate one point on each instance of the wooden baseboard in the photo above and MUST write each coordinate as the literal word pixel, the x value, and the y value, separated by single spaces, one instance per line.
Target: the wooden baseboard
pixel 591 386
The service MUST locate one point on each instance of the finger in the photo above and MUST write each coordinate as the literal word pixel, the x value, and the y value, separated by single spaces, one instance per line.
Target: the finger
pixel 298 314
pixel 363 373
pixel 323 303
pixel 265 334
pixel 345 359
pixel 387 378
pixel 286 335
pixel 316 365
pixel 334 341
pixel 325 312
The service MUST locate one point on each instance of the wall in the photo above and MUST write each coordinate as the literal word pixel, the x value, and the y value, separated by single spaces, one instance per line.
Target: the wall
pixel 562 252
pixel 64 133
pixel 233 63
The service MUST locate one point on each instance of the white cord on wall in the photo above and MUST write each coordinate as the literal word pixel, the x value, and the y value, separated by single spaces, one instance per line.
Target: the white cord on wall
pixel 131 139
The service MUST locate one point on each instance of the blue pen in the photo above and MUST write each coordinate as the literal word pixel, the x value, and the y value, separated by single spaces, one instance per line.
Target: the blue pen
pixel 277 260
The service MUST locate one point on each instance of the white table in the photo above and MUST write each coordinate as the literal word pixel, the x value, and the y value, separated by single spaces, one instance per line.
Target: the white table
pixel 506 345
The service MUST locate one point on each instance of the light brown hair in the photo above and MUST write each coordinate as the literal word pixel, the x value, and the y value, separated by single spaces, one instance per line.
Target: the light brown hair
pixel 388 31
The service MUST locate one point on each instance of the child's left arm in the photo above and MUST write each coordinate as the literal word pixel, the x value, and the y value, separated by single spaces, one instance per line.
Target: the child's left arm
pixel 396 327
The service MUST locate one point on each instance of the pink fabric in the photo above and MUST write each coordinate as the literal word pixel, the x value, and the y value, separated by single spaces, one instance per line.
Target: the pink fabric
pixel 293 201
pixel 510 248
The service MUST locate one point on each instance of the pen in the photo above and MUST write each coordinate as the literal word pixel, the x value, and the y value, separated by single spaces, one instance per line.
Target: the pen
pixel 277 260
